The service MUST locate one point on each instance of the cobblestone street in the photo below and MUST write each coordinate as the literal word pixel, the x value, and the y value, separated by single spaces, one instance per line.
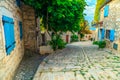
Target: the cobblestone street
pixel 80 61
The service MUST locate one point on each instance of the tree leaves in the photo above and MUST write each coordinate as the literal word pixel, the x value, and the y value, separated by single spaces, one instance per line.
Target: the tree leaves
pixel 59 15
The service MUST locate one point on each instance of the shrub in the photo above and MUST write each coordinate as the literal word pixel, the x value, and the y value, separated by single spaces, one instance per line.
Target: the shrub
pixel 74 38
pixel 57 42
pixel 96 42
pixel 101 44
pixel 82 35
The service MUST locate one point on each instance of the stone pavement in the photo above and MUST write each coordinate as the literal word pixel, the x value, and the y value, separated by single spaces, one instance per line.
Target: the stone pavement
pixel 80 61
pixel 28 66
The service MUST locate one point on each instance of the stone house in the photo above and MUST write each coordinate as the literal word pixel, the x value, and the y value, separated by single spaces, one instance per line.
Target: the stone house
pixel 19 31
pixel 109 24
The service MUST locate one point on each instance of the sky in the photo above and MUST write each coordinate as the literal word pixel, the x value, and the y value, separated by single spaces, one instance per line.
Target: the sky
pixel 90 9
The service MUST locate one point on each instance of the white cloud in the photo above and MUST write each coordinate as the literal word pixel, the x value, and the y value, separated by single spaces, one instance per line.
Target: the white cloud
pixel 88 1
pixel 89 11
pixel 91 2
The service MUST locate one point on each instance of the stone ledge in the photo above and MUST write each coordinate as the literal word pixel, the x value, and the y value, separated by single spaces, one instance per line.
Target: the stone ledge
pixel 46 49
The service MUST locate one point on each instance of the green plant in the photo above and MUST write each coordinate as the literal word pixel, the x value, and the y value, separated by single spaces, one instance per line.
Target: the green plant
pixel 74 38
pixel 63 14
pixel 96 43
pixel 57 42
pixel 102 44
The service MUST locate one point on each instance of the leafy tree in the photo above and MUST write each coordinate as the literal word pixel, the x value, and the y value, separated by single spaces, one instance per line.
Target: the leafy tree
pixel 59 15
pixel 84 29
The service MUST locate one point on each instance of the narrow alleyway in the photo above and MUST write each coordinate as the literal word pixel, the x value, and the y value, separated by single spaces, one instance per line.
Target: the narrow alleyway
pixel 80 61
pixel 28 66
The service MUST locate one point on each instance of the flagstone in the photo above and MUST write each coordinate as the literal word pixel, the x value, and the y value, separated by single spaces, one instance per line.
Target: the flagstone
pixel 72 63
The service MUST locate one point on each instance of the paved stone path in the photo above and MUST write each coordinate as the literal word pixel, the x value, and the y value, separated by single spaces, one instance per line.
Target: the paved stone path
pixel 28 66
pixel 80 61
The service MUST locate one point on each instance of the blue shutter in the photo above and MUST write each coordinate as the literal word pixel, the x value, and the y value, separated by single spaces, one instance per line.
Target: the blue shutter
pixel 103 33
pixel 9 34
pixel 106 10
pixel 21 32
pixel 12 37
pixel 112 37
pixel 7 37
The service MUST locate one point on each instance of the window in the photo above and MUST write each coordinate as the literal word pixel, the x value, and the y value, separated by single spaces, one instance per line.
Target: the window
pixel 106 11
pixel 115 46
pixel 102 33
pixel 107 34
pixel 8 25
pixel 21 32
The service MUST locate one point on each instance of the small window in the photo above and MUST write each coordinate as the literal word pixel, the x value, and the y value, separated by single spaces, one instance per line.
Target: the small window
pixel 21 31
pixel 8 25
pixel 107 34
pixel 115 46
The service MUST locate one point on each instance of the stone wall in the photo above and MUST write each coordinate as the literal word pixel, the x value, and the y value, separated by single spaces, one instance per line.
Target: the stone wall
pixel 88 37
pixel 112 21
pixel 29 28
pixel 9 63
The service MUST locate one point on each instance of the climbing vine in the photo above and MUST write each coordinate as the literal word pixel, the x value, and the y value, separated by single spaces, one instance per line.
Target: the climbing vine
pixel 97 10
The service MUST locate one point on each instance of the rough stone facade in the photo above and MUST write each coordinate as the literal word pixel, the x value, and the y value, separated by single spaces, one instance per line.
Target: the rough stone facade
pixel 29 28
pixel 9 63
pixel 112 22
